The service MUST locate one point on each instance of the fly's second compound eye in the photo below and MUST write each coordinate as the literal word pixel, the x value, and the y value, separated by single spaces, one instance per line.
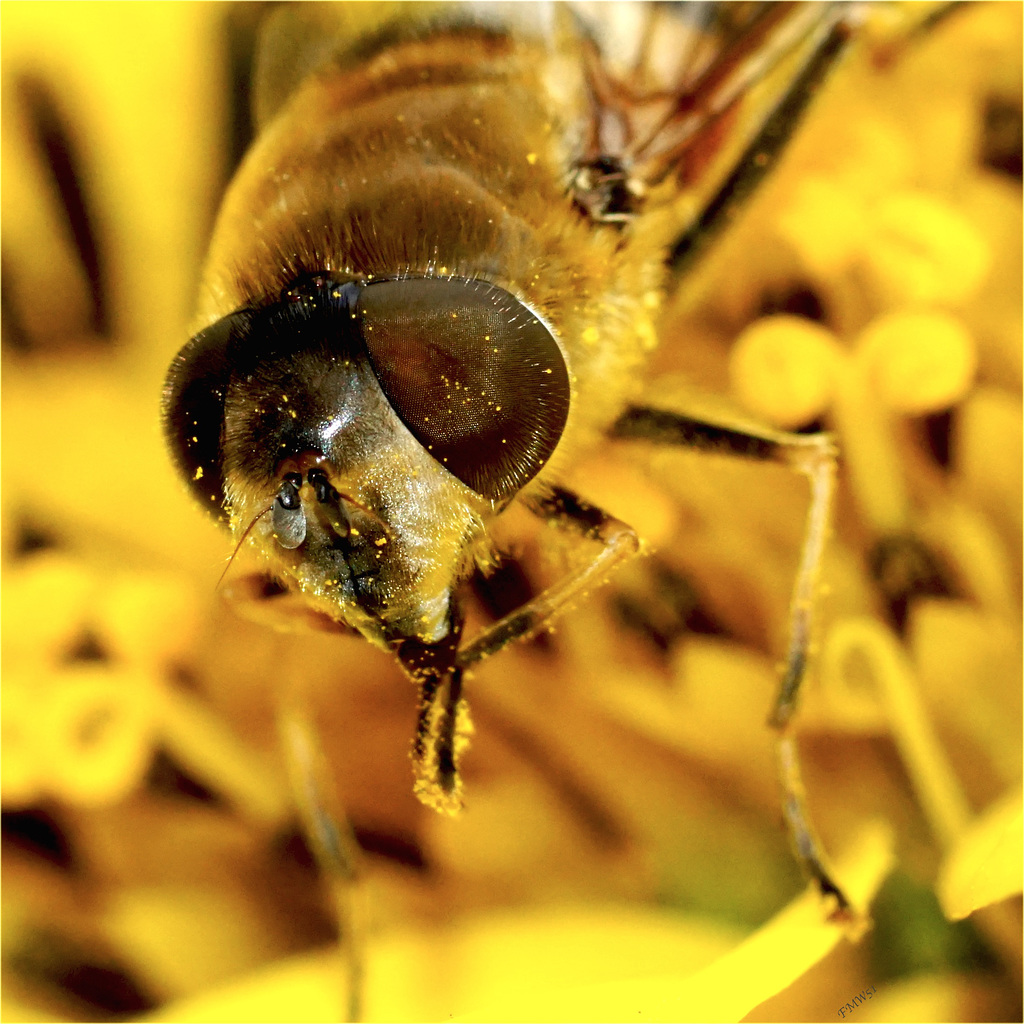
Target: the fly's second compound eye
pixel 477 378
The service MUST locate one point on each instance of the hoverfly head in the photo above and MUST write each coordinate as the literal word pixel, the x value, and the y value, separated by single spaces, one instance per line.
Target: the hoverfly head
pixel 377 421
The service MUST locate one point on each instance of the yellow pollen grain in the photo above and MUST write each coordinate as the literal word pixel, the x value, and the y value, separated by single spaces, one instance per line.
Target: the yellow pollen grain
pixel 198 475
pixel 531 158
pixel 590 335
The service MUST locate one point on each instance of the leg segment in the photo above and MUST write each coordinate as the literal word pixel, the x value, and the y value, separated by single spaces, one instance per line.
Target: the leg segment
pixel 831 37
pixel 814 455
pixel 332 842
pixel 437 668
pixel 811 454
pixel 618 542
pixel 436 746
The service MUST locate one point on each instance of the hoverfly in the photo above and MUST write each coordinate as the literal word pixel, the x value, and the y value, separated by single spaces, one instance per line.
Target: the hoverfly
pixel 434 282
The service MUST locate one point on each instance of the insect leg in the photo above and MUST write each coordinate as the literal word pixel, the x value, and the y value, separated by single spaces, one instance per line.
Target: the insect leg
pixel 767 144
pixel 618 542
pixel 331 839
pixel 814 455
pixel 437 743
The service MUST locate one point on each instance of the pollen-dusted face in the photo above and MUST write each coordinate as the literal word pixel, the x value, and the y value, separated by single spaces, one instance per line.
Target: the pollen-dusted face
pixel 362 428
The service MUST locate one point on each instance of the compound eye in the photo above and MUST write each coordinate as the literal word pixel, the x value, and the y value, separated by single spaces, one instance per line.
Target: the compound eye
pixel 287 517
pixel 475 376
pixel 193 406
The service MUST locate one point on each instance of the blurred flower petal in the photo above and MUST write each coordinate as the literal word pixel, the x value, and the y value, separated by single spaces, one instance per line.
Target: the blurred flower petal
pixel 987 862
pixel 590 965
pixel 728 989
pixel 306 988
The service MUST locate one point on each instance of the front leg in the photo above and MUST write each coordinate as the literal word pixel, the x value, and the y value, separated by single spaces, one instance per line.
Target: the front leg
pixel 618 541
pixel 442 722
